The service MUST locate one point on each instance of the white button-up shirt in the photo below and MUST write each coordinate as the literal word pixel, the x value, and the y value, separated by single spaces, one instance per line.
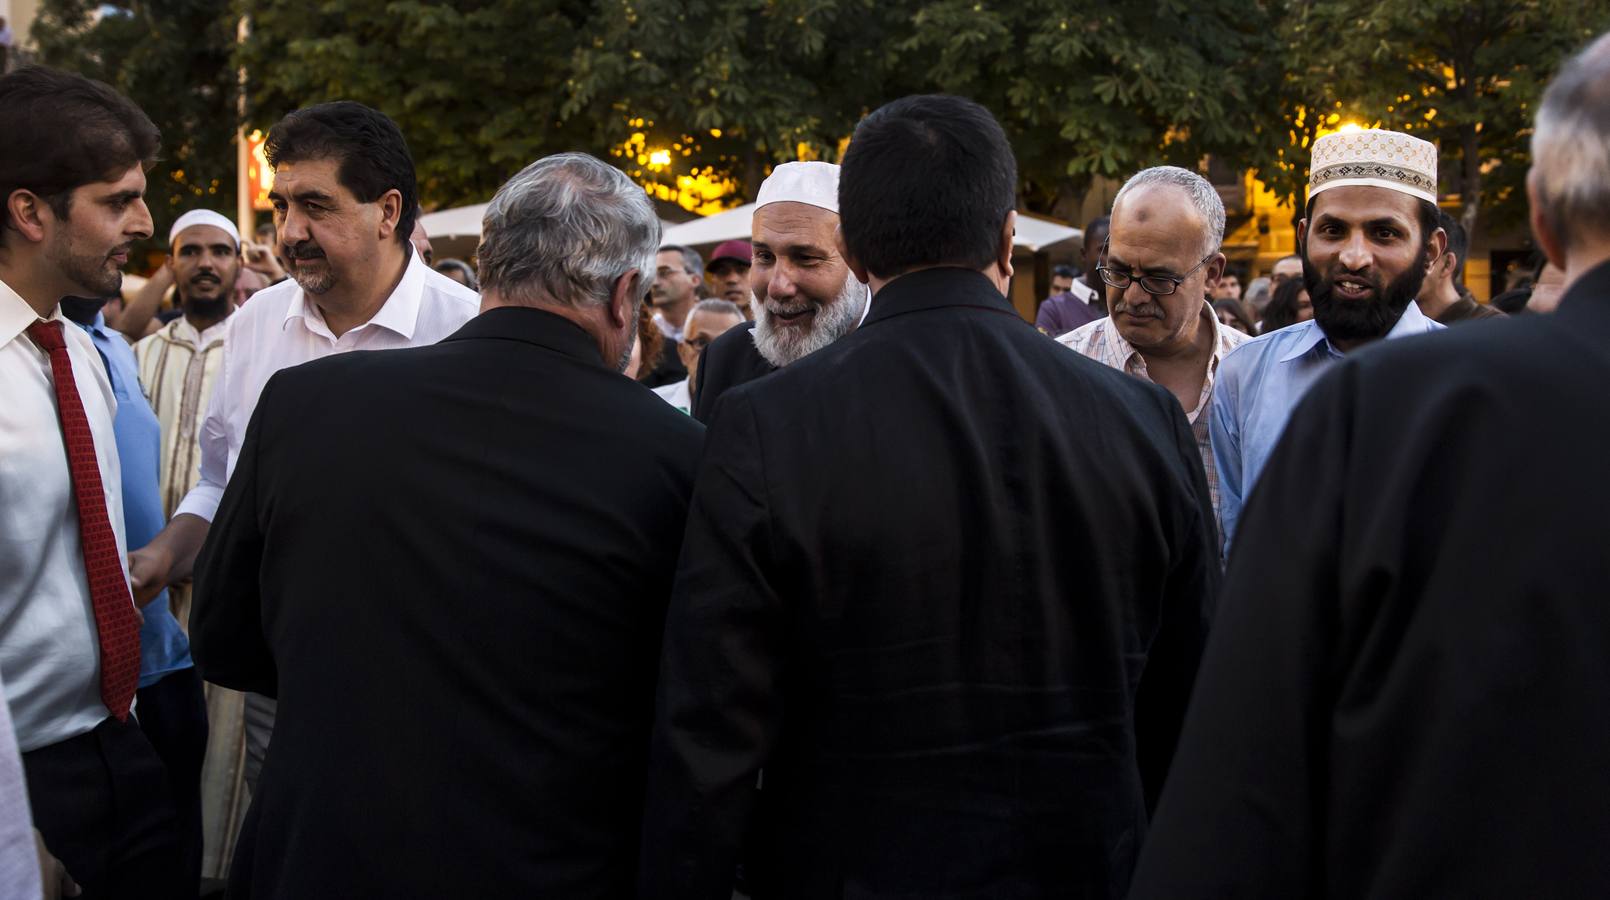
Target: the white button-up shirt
pixel 281 327
pixel 49 649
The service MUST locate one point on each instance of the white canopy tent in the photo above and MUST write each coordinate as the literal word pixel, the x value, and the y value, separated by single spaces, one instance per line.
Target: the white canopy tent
pixel 1033 232
pixel 465 222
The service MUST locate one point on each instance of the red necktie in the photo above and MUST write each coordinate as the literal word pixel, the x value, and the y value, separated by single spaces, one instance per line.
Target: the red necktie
pixel 115 620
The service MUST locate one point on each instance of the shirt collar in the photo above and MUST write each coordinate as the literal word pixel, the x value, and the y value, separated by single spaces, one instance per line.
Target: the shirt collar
pixel 1413 321
pixel 936 288
pixel 400 312
pixel 1123 350
pixel 15 314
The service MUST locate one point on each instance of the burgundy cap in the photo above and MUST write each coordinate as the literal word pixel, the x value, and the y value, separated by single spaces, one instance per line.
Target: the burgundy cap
pixel 738 250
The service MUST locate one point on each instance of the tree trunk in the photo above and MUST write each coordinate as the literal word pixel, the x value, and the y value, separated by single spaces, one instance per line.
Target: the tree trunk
pixel 1470 151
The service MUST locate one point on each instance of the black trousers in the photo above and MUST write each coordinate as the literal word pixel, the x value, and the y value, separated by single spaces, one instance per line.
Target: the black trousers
pixel 101 800
pixel 173 715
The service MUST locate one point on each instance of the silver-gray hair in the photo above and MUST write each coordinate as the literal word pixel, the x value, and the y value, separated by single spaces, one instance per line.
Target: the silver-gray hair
pixel 715 306
pixel 1571 146
pixel 1203 197
pixel 567 227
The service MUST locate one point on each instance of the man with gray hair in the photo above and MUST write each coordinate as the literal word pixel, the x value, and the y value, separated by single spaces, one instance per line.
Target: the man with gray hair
pixel 452 562
pixel 1161 258
pixel 708 320
pixel 1393 705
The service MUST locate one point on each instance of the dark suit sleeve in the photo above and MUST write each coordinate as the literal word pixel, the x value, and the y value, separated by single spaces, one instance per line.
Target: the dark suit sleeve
pixel 699 413
pixel 719 707
pixel 1237 817
pixel 226 631
pixel 1189 594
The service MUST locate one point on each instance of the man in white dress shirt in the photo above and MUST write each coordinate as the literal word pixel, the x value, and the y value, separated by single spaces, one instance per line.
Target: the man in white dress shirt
pixel 72 182
pixel 344 205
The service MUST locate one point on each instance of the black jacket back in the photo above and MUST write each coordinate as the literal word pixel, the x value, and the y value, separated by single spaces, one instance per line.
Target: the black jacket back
pixel 947 582
pixel 451 563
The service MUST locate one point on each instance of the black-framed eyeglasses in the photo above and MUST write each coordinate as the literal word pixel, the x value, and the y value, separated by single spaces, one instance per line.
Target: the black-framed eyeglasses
pixel 698 343
pixel 1157 285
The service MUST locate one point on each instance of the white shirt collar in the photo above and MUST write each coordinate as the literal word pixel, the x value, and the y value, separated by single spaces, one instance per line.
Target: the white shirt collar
pixel 399 314
pixel 15 314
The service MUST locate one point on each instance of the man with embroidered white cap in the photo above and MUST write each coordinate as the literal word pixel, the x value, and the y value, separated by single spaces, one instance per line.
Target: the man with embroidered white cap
pixel 1391 705
pixel 806 297
pixel 344 204
pixel 1368 240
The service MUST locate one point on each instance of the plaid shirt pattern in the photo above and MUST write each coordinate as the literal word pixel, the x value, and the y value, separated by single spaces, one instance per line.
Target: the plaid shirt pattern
pixel 1101 341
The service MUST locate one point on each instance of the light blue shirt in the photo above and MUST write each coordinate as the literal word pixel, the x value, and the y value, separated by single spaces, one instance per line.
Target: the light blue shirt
pixel 1258 386
pixel 163 646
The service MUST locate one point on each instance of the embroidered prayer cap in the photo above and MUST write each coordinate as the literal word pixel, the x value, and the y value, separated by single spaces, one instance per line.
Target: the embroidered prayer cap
pixel 203 217
pixel 812 183
pixel 1388 159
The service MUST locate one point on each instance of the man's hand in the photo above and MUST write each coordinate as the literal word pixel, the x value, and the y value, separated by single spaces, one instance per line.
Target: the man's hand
pixel 260 258
pixel 52 874
pixel 148 571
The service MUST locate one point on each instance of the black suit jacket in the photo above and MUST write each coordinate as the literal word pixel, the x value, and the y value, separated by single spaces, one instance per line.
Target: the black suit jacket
pixel 948 583
pixel 1416 609
pixel 451 564
pixel 729 361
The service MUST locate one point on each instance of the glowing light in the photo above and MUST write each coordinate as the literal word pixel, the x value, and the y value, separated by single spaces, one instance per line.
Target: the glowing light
pixel 659 158
pixel 258 175
pixel 1349 128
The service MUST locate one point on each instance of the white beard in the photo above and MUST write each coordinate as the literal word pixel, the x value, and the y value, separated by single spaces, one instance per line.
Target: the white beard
pixel 781 346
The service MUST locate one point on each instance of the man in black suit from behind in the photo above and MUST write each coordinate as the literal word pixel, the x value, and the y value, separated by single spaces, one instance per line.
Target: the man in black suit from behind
pixel 946 583
pixel 451 565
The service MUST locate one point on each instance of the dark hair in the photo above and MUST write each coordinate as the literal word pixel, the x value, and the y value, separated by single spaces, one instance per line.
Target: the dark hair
pixel 1458 243
pixel 371 155
pixel 692 262
pixel 927 181
pixel 1237 310
pixel 59 131
pixel 1282 308
pixel 1063 272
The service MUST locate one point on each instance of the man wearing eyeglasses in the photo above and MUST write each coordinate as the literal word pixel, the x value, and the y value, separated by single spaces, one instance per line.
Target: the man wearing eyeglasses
pixel 1161 258
pixel 708 320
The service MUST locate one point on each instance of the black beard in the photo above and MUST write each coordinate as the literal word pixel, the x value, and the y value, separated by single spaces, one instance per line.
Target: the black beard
pixel 207 309
pixel 1352 321
pixel 81 309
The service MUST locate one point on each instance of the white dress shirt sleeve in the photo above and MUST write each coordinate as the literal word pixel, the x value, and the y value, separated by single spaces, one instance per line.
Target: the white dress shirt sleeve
pixel 203 499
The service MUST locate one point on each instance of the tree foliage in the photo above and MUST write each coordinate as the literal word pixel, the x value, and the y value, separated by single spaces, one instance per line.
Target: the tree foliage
pixel 1465 74
pixel 173 58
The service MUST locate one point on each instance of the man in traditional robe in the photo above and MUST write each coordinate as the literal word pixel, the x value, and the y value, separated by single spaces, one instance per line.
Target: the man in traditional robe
pixel 805 296
pixel 1394 703
pixel 961 660
pixel 1368 240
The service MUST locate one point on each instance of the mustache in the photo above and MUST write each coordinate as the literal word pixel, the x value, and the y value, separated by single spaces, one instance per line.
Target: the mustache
pixel 1139 310
pixel 123 248
pixel 303 251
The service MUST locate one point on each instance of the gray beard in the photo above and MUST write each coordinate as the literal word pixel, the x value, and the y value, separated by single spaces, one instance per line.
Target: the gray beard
pixel 782 346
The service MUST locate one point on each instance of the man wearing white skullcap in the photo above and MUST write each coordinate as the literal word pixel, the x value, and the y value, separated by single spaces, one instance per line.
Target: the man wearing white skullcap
pixel 1367 242
pixel 805 296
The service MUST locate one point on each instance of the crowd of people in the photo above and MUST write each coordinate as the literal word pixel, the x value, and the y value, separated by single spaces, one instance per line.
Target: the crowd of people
pixel 811 570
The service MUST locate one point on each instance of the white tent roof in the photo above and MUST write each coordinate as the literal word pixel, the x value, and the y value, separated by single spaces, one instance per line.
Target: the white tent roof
pixel 1033 232
pixel 465 221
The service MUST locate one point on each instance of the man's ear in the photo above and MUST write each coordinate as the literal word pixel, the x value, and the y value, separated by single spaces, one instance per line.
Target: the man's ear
pixel 390 213
pixel 1003 256
pixel 1547 241
pixel 1439 249
pixel 860 271
pixel 1215 270
pixel 621 309
pixel 29 214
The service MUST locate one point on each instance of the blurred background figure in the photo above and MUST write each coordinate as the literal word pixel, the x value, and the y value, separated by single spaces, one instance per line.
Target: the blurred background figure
pixel 1289 305
pixel 726 275
pixel 1234 315
pixel 1443 297
pixel 460 271
pixel 708 320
